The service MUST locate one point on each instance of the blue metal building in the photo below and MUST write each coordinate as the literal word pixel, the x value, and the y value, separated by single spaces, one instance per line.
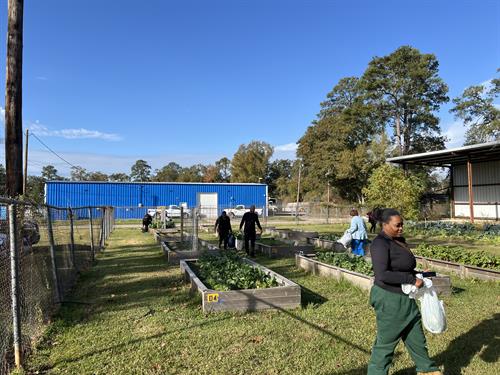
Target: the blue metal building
pixel 137 196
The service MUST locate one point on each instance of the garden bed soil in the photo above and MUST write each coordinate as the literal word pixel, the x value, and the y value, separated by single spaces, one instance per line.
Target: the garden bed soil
pixel 295 235
pixel 442 283
pixel 285 296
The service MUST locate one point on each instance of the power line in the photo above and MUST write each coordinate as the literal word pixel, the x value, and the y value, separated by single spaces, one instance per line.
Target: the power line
pixel 55 153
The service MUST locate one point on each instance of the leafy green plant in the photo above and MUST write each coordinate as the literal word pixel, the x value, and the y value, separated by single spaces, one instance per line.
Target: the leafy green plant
pixel 227 271
pixel 458 254
pixel 345 261
pixel 489 232
pixel 271 241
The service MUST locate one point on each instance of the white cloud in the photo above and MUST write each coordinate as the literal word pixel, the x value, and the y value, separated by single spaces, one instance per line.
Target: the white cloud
pixel 81 133
pixel 2 114
pixel 285 151
pixel 455 132
pixel 286 147
pixel 41 78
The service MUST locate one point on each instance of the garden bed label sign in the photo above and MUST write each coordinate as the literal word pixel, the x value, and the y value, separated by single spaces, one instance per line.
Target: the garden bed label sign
pixel 213 298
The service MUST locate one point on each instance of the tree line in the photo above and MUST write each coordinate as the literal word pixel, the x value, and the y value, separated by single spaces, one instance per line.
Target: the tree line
pixel 390 110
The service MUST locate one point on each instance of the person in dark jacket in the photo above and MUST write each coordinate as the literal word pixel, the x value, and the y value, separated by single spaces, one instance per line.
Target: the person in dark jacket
pixel 223 228
pixel 398 316
pixel 146 222
pixel 249 221
pixel 372 220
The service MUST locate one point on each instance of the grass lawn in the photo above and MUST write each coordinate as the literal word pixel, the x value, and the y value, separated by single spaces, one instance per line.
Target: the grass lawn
pixel 133 314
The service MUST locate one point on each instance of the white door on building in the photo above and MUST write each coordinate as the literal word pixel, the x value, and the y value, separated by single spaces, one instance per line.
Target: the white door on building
pixel 208 204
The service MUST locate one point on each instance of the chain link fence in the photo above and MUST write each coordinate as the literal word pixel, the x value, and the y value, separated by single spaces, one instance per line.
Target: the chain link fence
pixel 42 251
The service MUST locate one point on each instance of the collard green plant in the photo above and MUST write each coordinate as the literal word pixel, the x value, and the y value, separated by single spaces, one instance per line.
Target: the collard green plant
pixel 460 255
pixel 227 271
pixel 345 261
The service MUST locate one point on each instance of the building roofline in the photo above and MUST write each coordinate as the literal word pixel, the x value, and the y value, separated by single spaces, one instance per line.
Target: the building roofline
pixel 477 152
pixel 154 183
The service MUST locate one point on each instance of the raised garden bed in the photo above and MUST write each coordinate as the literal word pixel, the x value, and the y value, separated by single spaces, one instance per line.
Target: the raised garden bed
pixel 175 251
pixel 286 295
pixel 273 248
pixel 290 234
pixel 161 235
pixel 462 270
pixel 309 263
pixel 327 244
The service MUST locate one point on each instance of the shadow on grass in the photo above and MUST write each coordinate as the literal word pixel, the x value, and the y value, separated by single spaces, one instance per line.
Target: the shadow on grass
pixel 46 367
pixel 310 297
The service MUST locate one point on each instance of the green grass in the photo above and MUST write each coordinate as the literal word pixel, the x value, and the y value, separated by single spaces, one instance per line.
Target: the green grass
pixel 133 314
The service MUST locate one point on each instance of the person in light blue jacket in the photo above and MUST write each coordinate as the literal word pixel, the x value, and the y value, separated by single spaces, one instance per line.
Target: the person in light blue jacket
pixel 358 233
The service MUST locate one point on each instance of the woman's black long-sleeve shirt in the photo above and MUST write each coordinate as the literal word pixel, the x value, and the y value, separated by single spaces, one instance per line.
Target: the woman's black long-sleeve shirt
pixel 393 263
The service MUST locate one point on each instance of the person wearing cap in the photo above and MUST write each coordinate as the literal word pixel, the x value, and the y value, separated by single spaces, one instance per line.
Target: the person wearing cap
pixel 358 233
pixel 223 228
pixel 249 221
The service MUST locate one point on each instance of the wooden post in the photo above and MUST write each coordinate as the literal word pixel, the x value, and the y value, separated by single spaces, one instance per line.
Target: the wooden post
pixel 13 100
pixel 452 194
pixel 91 227
pixel 25 184
pixel 298 195
pixel 72 238
pixel 101 238
pixel 471 193
pixel 55 277
pixel 14 274
pixel 182 223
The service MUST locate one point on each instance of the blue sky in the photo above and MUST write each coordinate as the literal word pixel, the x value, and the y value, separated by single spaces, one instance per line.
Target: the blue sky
pixel 108 82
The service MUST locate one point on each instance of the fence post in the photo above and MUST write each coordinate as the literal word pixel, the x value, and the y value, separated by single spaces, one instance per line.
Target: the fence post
pixel 182 223
pixel 14 273
pixel 55 277
pixel 72 239
pixel 195 230
pixel 91 227
pixel 101 233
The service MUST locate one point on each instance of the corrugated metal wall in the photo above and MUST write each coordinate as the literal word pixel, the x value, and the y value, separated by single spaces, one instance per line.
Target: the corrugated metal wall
pixel 486 174
pixel 486 189
pixel 75 194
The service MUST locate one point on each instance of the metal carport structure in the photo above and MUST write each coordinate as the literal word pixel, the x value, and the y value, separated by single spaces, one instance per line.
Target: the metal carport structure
pixel 475 176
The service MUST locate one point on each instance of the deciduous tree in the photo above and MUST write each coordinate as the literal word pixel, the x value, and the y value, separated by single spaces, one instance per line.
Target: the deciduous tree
pixel 250 163
pixel 140 171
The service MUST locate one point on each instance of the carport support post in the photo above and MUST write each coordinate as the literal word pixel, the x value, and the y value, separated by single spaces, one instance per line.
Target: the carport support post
pixel 471 193
pixel 91 228
pixel 72 238
pixel 52 250
pixel 14 272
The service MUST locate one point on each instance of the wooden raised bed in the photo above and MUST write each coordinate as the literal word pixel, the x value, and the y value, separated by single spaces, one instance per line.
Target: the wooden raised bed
pixel 174 256
pixel 334 246
pixel 459 269
pixel 442 283
pixel 285 296
pixel 281 251
pixel 295 235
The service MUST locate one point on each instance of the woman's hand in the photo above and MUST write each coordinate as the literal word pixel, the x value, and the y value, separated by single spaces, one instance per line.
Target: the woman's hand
pixel 419 283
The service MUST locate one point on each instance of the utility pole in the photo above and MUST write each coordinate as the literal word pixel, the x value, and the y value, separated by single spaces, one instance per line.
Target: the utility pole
pixel 26 162
pixel 13 100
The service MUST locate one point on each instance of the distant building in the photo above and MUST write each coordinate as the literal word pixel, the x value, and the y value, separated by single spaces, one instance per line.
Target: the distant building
pixel 132 199
pixel 475 177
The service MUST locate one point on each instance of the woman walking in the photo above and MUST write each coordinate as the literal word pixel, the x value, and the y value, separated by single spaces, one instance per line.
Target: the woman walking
pixel 398 316
pixel 358 233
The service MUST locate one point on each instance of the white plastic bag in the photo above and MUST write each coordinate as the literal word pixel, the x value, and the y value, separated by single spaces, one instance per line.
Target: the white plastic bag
pixel 346 239
pixel 432 309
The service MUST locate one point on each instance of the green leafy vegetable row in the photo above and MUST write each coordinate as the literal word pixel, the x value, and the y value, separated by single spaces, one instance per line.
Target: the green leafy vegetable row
pixel 342 260
pixel 447 229
pixel 228 272
pixel 458 254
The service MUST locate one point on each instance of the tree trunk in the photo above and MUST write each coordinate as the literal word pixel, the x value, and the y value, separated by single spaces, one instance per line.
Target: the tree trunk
pixel 13 100
pixel 398 134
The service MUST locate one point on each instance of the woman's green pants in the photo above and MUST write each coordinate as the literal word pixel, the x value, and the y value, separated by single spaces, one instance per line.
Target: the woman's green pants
pixel 398 317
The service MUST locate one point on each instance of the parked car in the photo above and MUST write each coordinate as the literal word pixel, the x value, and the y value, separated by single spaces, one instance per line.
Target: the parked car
pixel 171 210
pixel 240 209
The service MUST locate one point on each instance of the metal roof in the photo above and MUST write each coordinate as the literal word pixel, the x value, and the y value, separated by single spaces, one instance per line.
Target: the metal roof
pixel 153 183
pixel 454 156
